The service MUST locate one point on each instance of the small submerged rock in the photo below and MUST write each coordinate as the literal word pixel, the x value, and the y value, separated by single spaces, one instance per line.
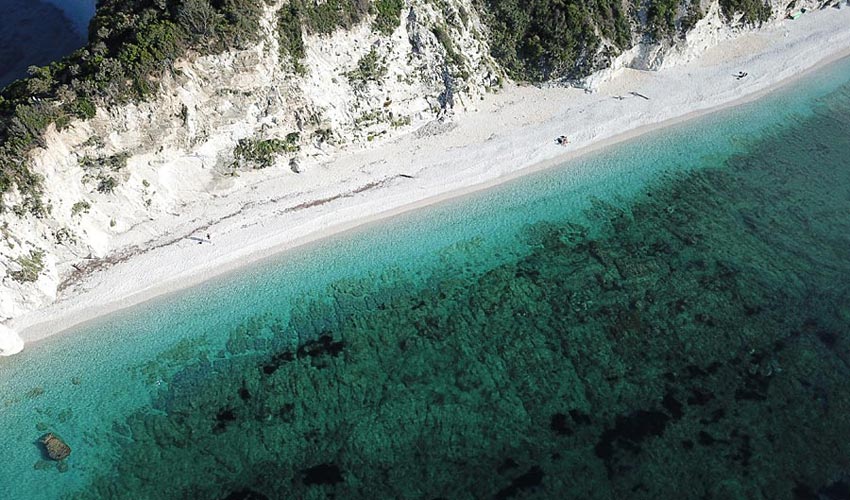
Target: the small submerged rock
pixel 56 448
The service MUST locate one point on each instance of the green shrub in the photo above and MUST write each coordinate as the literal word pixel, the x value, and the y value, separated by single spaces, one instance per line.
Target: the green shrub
pixel 754 11
pixel 290 37
pixel 31 267
pixel 260 153
pixel 692 17
pixel 112 163
pixel 83 108
pixel 387 16
pixel 106 184
pixel 661 17
pixel 445 40
pixel 300 16
pixel 544 39
pixel 370 68
pixel 80 207
pixel 331 15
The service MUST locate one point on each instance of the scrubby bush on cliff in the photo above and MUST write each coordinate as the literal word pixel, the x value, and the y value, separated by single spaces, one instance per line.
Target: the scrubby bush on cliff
pixel 752 11
pixel 387 15
pixel 544 39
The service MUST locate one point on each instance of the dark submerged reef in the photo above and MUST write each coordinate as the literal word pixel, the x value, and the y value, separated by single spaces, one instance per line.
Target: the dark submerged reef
pixel 692 344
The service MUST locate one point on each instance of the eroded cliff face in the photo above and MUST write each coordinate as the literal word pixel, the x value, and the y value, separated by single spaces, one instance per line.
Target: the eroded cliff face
pixel 206 131
pixel 123 180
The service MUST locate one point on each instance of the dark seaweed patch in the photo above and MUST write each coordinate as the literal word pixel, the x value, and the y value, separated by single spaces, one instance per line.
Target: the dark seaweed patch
pixel 276 361
pixel 506 465
pixel 839 490
pixel 629 432
pixel 560 425
pixel 579 417
pixel 531 479
pixel 246 494
pixel 672 405
pixel 700 396
pixel 322 474
pixel 324 346
pixel 222 418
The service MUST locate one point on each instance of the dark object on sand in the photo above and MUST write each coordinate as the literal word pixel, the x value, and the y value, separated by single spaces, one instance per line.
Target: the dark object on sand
pixel 639 95
pixel 740 75
pixel 562 140
pixel 55 447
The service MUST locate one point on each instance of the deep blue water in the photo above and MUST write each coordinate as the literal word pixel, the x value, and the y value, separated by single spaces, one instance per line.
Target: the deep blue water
pixel 38 32
pixel 668 318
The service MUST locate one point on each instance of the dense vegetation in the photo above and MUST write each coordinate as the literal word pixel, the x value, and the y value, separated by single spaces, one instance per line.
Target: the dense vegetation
pixel 258 153
pixel 754 11
pixel 545 39
pixel 300 16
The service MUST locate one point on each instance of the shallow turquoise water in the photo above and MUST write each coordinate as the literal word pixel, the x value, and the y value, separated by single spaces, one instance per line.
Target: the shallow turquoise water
pixel 665 318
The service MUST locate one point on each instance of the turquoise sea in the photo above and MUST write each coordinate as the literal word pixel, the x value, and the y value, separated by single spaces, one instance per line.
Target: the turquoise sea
pixel 668 318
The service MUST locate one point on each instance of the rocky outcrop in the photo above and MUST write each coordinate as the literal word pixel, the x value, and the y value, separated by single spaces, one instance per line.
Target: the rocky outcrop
pixel 54 446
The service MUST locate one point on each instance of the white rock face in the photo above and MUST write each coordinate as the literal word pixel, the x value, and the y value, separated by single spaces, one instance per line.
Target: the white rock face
pixel 10 342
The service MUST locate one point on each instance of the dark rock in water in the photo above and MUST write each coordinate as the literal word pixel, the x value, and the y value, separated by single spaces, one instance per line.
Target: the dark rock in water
pixel 322 474
pixel 246 494
pixel 56 448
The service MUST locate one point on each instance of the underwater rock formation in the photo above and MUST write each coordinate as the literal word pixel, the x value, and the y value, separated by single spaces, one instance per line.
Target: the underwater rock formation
pixel 55 447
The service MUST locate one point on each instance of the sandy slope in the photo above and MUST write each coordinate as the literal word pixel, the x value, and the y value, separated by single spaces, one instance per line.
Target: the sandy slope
pixel 511 133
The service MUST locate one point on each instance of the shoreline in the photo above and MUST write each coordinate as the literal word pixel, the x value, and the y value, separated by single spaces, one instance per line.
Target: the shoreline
pixel 162 271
